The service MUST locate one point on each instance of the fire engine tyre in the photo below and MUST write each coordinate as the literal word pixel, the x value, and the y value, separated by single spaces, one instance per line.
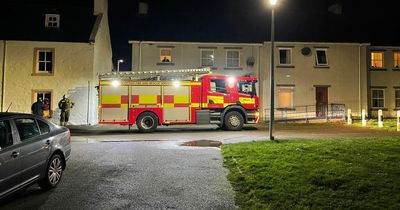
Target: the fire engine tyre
pixel 147 122
pixel 233 121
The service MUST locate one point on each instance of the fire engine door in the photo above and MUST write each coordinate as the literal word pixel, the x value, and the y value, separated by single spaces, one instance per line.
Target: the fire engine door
pixel 176 104
pixel 114 104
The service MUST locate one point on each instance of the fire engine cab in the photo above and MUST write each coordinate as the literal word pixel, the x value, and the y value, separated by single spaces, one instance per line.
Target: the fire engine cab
pixel 168 97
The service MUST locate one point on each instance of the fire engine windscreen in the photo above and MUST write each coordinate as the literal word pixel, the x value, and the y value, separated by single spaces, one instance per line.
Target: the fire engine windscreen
pixel 247 87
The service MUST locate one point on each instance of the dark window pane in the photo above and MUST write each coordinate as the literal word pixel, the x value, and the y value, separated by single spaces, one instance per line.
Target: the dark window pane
pixel 397 93
pixel 49 56
pixel 6 139
pixel 282 56
pixel 42 56
pixel 27 128
pixel 321 56
pixel 42 66
pixel 49 66
pixel 397 102
pixel 44 127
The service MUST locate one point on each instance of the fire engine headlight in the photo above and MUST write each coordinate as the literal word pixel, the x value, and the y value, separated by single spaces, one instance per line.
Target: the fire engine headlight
pixel 177 83
pixel 115 83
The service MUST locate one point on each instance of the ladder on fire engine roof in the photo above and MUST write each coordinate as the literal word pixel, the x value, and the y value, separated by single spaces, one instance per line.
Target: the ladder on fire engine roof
pixel 175 74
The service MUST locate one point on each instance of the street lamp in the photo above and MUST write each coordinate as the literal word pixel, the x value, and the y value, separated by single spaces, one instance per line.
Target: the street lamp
pixel 271 72
pixel 118 62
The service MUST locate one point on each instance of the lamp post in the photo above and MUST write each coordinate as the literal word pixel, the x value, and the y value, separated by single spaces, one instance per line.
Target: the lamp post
pixel 118 62
pixel 271 72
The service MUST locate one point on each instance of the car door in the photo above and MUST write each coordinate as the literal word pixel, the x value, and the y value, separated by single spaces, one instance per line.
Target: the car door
pixel 34 148
pixel 10 164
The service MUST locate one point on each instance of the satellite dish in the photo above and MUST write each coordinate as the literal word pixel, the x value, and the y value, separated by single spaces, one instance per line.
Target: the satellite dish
pixel 306 51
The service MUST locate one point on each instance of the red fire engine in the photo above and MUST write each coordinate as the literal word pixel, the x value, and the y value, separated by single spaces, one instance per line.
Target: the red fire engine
pixel 153 98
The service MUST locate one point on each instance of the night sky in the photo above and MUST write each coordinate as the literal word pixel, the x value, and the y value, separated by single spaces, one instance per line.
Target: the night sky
pixel 249 21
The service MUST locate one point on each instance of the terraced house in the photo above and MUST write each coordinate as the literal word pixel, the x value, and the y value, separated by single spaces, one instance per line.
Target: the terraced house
pixel 309 75
pixel 54 48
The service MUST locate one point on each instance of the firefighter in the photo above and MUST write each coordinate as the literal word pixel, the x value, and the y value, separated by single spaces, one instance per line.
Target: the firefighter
pixel 65 106
pixel 37 107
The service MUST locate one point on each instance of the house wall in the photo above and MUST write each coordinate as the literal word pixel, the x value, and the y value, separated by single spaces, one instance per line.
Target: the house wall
pixel 102 58
pixel 387 78
pixel 187 55
pixel 346 73
pixel 2 59
pixel 73 69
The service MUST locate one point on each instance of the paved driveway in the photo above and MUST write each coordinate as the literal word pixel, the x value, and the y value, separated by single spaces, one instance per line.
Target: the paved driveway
pixel 135 175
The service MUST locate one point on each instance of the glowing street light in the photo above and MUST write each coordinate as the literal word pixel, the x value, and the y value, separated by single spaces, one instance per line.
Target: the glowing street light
pixel 118 62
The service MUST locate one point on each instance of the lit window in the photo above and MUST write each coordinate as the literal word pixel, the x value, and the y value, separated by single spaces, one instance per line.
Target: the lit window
pixel 321 58
pixel 165 56
pixel 44 96
pixel 378 98
pixel 44 61
pixel 285 96
pixel 232 59
pixel 285 56
pixel 397 98
pixel 396 60
pixel 52 21
pixel 143 8
pixel 376 59
pixel 207 58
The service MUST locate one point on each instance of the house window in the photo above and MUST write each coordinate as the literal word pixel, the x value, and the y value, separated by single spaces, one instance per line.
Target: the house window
pixel 397 98
pixel 52 21
pixel 232 59
pixel 378 98
pixel 143 8
pixel 218 85
pixel 376 59
pixel 285 96
pixel 44 61
pixel 206 57
pixel 321 58
pixel 45 96
pixel 165 56
pixel 396 60
pixel 285 56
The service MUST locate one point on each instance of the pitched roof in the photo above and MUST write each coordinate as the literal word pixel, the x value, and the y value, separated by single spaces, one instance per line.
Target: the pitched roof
pixel 25 20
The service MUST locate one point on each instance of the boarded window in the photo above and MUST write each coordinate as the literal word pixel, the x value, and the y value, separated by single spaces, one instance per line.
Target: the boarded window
pixel 285 96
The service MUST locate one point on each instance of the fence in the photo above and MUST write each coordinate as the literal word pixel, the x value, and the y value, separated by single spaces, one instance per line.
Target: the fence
pixel 308 112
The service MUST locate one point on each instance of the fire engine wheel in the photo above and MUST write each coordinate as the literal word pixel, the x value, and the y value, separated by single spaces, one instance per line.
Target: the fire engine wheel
pixel 233 121
pixel 147 122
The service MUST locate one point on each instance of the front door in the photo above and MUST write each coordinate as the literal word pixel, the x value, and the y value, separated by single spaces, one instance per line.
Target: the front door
pixel 10 164
pixel 321 96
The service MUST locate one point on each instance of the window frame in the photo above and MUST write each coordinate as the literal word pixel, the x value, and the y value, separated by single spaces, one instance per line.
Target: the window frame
pixel 326 57
pixel 372 98
pixel 397 99
pixel 286 88
pixel 291 56
pixel 394 60
pixel 238 58
pixel 40 130
pixel 49 23
pixel 36 62
pixel 201 57
pixel 160 59
pixel 371 60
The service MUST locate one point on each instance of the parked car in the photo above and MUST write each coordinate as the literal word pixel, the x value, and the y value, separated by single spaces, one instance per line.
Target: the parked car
pixel 32 150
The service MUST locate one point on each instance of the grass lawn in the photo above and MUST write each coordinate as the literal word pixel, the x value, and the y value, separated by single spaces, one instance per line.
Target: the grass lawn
pixel 315 174
pixel 388 124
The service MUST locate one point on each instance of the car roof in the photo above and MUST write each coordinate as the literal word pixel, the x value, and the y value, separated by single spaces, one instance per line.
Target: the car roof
pixel 14 114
